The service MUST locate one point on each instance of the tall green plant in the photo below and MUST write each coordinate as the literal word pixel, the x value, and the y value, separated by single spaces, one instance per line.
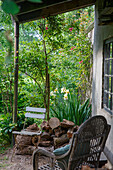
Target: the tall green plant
pixel 67 106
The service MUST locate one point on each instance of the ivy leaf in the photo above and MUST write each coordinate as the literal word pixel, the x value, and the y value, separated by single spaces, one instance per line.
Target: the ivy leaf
pixel 10 7
pixel 36 1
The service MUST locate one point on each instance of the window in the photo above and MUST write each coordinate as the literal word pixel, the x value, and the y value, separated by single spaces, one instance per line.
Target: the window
pixel 108 76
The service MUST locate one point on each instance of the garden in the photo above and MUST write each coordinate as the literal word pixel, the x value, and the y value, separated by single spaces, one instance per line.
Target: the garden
pixel 55 70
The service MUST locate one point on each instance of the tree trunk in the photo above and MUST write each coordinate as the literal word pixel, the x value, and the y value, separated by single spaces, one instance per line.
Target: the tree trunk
pixel 47 87
pixel 16 72
pixel 48 99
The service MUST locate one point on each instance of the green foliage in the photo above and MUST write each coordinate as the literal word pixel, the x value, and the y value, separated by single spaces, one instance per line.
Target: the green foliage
pixel 6 127
pixel 34 60
pixel 21 120
pixel 6 84
pixel 68 48
pixel 6 32
pixel 6 69
pixel 69 53
pixel 69 59
pixel 10 7
pixel 66 105
pixel 71 64
pixel 9 44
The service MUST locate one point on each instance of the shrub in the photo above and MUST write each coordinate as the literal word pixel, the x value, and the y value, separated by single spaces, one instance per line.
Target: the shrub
pixel 7 126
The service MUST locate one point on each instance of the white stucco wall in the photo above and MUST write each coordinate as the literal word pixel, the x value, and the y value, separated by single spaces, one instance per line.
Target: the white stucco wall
pixel 101 33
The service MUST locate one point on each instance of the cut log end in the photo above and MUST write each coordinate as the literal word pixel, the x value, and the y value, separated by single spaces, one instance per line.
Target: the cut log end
pixel 54 122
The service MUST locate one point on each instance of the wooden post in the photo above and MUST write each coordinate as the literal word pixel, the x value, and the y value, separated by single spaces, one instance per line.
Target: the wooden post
pixel 16 48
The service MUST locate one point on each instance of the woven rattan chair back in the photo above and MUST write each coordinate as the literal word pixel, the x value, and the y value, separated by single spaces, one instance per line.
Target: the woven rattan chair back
pixel 88 143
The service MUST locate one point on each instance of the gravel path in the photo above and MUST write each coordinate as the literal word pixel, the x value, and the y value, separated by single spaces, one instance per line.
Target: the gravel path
pixel 19 162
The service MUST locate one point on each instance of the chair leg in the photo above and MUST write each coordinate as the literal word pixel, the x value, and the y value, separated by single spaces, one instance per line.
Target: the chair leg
pixel 35 162
pixel 52 164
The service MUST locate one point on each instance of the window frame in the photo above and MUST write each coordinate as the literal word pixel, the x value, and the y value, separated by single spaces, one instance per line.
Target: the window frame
pixel 107 90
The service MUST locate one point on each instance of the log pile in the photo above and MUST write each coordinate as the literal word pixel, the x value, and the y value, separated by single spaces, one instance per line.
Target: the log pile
pixel 33 128
pixel 24 145
pixel 54 133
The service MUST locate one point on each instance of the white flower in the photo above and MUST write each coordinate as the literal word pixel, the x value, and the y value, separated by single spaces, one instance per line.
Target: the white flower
pixel 56 90
pixel 67 91
pixel 65 97
pixel 51 93
pixel 63 90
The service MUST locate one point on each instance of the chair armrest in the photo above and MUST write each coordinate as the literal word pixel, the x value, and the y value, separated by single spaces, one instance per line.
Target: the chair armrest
pixel 39 152
pixel 43 152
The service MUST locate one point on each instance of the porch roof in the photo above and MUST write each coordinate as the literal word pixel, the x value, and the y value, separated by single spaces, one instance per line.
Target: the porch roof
pixel 32 11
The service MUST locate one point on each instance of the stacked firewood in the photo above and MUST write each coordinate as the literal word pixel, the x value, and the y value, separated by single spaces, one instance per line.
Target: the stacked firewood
pixel 56 133
pixel 26 144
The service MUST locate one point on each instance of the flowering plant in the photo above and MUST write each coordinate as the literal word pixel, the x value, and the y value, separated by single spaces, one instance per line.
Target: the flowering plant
pixel 62 93
pixel 66 105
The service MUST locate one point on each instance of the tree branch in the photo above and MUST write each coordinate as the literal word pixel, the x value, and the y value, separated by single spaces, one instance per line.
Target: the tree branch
pixel 37 84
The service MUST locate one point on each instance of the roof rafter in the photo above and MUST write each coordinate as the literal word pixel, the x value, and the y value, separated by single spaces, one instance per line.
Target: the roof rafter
pixel 33 11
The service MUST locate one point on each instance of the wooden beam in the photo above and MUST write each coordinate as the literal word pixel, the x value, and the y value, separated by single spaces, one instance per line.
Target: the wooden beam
pixel 26 6
pixel 54 10
pixel 106 20
pixel 16 49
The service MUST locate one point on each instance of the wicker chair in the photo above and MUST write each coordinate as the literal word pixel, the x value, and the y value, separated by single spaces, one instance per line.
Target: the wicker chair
pixel 85 149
